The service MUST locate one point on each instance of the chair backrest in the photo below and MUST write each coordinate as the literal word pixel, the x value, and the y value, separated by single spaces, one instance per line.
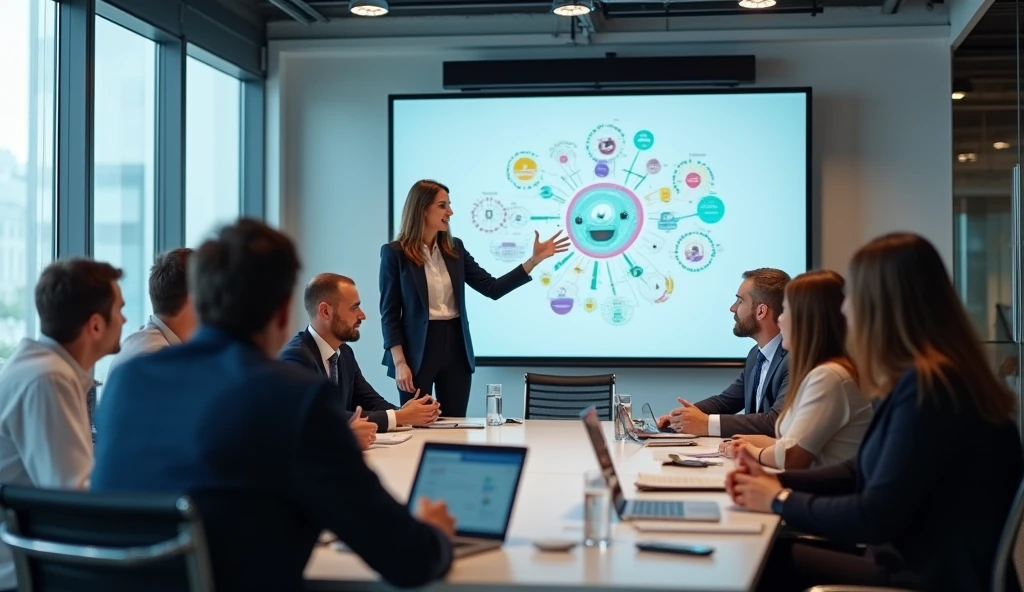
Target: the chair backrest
pixel 565 397
pixel 73 540
pixel 1008 573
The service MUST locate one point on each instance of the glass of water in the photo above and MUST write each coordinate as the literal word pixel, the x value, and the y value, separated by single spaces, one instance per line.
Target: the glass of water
pixel 494 417
pixel 597 510
pixel 627 402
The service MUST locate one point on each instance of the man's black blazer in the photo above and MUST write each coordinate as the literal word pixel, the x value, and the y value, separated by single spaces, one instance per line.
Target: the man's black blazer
pixel 355 391
pixel 264 451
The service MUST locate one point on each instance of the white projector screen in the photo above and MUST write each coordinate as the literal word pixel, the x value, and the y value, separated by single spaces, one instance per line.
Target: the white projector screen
pixel 667 199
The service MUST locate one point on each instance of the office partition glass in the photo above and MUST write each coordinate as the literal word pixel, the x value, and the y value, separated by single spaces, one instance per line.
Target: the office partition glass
pixel 986 156
pixel 28 72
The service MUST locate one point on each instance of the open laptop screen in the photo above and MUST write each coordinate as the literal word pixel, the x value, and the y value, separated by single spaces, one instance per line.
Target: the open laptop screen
pixel 479 484
pixel 604 458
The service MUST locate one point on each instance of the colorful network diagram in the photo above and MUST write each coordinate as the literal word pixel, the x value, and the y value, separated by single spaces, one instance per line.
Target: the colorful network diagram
pixel 636 225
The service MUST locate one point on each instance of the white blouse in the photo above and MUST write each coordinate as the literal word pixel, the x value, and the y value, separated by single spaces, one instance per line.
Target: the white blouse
pixel 440 293
pixel 828 417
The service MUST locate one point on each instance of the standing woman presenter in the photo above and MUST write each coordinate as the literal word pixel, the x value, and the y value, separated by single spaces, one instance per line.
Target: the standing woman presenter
pixel 423 279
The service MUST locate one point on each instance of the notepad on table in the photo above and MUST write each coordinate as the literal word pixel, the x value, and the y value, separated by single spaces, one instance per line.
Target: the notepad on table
pixel 453 425
pixel 698 527
pixel 687 482
pixel 389 439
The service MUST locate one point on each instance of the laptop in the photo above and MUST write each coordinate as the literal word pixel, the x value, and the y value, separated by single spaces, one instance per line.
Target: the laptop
pixel 641 509
pixel 479 484
pixel 625 420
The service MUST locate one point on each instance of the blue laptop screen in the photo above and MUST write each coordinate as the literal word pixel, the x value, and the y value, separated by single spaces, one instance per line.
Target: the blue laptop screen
pixel 479 485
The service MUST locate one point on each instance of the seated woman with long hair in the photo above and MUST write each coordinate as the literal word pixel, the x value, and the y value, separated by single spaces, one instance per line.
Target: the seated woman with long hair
pixel 825 414
pixel 931 486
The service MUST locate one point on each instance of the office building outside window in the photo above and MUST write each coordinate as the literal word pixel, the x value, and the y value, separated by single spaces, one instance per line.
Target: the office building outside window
pixel 28 72
pixel 213 111
pixel 124 164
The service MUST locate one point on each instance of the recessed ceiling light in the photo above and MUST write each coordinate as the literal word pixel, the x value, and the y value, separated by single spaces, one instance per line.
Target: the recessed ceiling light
pixel 757 3
pixel 961 86
pixel 572 7
pixel 368 7
pixel 1001 145
pixel 967 157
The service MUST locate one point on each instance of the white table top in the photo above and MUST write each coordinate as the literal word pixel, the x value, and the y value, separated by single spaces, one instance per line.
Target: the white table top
pixel 550 504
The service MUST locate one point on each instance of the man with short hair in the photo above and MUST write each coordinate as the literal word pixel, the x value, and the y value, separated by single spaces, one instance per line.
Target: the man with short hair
pixel 262 447
pixel 335 313
pixel 45 435
pixel 761 388
pixel 173 319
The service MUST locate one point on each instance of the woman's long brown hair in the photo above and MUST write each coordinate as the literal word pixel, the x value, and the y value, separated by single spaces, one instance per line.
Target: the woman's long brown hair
pixel 817 329
pixel 410 235
pixel 906 315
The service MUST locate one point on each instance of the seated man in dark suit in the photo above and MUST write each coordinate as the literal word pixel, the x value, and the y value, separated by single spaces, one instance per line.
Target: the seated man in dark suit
pixel 333 305
pixel 761 388
pixel 262 447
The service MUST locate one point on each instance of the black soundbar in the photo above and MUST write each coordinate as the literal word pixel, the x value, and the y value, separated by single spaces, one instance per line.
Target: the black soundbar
pixel 600 72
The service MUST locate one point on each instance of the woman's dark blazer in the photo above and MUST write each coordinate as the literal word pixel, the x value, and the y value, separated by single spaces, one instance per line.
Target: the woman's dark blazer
pixel 403 299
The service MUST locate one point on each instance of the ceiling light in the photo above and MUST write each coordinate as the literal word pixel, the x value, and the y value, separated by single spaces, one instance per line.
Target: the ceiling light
pixel 572 7
pixel 368 7
pixel 967 157
pixel 1001 145
pixel 961 86
pixel 757 3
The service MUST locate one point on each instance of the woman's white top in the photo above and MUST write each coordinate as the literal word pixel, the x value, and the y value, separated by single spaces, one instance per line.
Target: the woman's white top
pixel 828 417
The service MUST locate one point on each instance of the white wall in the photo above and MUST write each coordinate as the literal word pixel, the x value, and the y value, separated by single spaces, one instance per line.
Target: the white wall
pixel 881 140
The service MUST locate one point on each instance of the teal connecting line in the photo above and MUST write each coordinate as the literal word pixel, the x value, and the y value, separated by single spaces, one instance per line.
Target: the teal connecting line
pixel 593 278
pixel 628 262
pixel 564 261
pixel 610 280
pixel 629 171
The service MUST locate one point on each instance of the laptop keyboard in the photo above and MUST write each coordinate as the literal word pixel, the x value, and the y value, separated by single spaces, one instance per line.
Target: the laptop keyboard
pixel 655 508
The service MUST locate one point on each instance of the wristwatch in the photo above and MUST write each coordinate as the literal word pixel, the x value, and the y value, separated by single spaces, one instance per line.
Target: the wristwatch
pixel 779 500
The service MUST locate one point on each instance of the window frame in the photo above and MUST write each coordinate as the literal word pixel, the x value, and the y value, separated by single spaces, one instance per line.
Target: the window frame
pixel 202 29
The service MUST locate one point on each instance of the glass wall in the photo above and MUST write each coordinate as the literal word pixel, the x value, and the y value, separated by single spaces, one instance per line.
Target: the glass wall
pixel 986 155
pixel 213 144
pixel 28 72
pixel 124 168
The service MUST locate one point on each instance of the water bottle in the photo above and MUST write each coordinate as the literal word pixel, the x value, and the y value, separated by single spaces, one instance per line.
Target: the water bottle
pixel 494 417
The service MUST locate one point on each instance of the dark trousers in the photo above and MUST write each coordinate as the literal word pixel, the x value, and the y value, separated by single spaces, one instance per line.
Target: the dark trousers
pixel 444 372
pixel 796 566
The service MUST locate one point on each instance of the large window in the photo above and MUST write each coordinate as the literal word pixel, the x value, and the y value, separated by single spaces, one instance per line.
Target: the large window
pixel 213 111
pixel 124 155
pixel 27 116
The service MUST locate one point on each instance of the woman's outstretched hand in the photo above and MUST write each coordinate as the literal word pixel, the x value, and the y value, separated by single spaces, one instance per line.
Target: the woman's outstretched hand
pixel 543 250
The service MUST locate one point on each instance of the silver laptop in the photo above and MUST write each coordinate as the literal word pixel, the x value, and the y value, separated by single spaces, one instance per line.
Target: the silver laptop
pixel 478 483
pixel 642 509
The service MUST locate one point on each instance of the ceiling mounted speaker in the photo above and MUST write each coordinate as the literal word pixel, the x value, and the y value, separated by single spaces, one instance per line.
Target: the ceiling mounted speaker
pixel 368 7
pixel 572 7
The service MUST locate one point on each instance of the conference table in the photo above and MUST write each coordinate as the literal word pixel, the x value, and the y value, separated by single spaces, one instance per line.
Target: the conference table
pixel 550 505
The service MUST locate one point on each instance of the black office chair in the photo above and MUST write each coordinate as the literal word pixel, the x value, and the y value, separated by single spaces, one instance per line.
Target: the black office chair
pixel 1009 561
pixel 564 397
pixel 71 540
